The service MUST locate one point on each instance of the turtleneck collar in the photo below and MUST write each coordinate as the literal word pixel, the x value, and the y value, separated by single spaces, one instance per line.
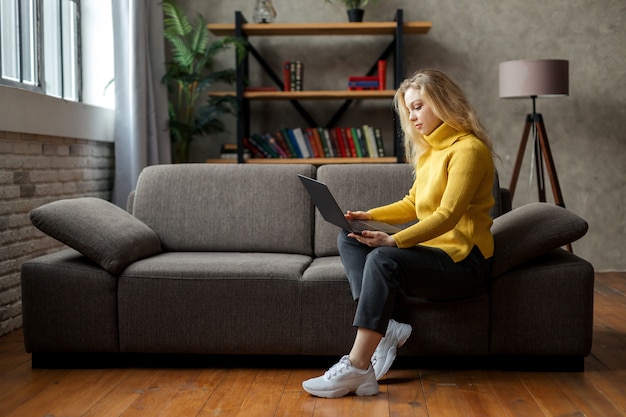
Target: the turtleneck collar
pixel 443 136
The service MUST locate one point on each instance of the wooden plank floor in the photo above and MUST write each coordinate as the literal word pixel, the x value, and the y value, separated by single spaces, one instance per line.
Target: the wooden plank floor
pixel 209 392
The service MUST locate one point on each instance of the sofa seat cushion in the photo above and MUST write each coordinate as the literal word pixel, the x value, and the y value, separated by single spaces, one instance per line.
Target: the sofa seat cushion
pixel 530 231
pixel 222 265
pixel 459 327
pixel 98 229
pixel 212 303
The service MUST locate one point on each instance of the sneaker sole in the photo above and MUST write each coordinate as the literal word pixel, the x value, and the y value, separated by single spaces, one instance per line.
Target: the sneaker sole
pixel 362 390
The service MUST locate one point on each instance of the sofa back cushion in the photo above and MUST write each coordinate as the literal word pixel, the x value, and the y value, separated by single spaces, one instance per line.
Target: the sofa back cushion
pixel 358 187
pixel 227 207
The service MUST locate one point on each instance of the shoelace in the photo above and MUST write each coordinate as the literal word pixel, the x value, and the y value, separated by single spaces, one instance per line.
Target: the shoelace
pixel 338 368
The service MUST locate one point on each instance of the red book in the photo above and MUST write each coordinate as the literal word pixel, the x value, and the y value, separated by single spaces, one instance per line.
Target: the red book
pixel 347 135
pixel 336 137
pixel 363 78
pixel 287 76
pixel 382 74
pixel 283 143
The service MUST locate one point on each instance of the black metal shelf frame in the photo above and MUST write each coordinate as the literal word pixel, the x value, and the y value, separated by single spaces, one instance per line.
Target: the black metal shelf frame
pixel 243 70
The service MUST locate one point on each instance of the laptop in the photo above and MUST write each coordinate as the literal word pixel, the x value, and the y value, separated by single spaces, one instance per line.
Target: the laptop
pixel 328 207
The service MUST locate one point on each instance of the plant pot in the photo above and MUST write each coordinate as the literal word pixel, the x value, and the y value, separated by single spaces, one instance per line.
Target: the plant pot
pixel 355 15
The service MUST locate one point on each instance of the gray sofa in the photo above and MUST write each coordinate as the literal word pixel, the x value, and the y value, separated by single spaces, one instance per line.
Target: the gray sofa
pixel 224 259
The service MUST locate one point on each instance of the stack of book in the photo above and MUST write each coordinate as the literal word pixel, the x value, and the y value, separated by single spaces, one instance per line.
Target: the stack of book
pixel 292 75
pixel 374 82
pixel 338 142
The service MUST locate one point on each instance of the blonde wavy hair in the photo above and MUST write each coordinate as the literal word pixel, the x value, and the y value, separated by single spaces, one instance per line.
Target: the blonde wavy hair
pixel 447 101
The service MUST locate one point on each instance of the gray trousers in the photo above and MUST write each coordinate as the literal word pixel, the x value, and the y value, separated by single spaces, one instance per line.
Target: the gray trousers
pixel 378 275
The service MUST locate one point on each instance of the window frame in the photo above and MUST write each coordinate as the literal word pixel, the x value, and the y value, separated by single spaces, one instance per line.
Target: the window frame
pixel 40 85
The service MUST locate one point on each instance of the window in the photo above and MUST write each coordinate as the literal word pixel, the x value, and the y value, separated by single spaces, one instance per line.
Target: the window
pixel 40 46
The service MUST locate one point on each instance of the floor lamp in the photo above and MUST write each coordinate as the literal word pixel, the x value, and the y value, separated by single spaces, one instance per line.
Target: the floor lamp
pixel 532 79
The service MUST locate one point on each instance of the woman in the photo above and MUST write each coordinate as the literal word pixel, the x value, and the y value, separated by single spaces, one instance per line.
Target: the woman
pixel 445 255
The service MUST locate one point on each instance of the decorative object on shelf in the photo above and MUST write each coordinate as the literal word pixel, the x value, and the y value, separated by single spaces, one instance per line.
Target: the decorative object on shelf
pixel 189 74
pixel 264 12
pixel 354 8
pixel 533 78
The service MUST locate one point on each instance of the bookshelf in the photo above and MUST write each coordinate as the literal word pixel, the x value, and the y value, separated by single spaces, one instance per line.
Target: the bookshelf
pixel 241 28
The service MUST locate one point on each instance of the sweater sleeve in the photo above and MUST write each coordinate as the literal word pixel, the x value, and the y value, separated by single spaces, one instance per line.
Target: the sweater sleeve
pixel 402 211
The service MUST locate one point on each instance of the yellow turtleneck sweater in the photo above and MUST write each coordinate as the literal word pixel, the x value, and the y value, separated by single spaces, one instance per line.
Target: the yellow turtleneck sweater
pixel 451 197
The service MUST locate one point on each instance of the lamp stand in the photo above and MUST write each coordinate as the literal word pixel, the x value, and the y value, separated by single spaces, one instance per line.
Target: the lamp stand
pixel 534 121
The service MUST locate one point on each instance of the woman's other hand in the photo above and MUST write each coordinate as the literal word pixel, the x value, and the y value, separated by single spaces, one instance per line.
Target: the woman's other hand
pixel 358 215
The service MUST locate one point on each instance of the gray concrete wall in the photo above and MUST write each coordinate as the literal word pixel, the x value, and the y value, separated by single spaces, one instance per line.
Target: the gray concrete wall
pixel 468 40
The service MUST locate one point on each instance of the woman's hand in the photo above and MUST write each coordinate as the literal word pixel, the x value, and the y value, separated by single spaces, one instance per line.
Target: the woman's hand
pixel 374 238
pixel 369 237
pixel 358 215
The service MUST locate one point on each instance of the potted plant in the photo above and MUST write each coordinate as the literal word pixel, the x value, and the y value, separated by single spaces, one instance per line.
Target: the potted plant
pixel 354 8
pixel 189 74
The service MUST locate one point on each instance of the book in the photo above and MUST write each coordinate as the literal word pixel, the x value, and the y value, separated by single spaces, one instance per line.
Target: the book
pixel 275 146
pixel 325 135
pixel 262 144
pixel 305 147
pixel 363 78
pixel 285 143
pixel 294 142
pixel 317 140
pixel 299 72
pixel 286 76
pixel 357 82
pixel 293 75
pixel 254 149
pixel 363 84
pixel 355 147
pixel 347 144
pixel 370 140
pixel 358 133
pixel 382 74
pixel 336 139
pixel 378 134
pixel 308 135
pixel 318 134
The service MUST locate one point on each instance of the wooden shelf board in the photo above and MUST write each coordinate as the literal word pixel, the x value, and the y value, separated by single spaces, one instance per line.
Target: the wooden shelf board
pixel 312 161
pixel 311 95
pixel 308 29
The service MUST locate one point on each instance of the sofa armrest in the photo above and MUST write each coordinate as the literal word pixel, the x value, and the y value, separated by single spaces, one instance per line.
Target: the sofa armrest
pixel 103 232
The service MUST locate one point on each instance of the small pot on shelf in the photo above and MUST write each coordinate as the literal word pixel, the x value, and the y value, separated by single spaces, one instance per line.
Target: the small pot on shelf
pixel 355 15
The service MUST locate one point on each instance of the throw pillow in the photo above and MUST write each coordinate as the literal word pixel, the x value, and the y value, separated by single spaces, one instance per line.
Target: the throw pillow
pixel 103 232
pixel 532 230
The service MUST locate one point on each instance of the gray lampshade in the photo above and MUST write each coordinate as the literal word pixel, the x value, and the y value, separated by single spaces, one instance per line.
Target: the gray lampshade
pixel 534 77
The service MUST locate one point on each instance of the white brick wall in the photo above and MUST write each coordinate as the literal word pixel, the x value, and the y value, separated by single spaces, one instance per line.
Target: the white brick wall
pixel 35 170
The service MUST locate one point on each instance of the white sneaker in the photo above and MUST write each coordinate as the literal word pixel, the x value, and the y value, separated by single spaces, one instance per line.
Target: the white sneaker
pixel 342 379
pixel 396 335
